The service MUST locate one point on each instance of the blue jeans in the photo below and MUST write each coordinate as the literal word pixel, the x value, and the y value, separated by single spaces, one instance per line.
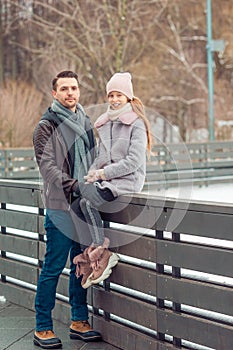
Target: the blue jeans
pixel 58 247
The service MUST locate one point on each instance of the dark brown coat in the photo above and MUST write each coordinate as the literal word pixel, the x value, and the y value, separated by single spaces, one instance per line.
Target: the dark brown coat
pixel 52 157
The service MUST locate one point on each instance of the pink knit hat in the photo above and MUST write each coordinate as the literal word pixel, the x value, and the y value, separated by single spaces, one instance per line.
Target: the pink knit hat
pixel 121 82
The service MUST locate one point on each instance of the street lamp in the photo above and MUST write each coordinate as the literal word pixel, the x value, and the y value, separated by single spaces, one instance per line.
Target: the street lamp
pixel 212 45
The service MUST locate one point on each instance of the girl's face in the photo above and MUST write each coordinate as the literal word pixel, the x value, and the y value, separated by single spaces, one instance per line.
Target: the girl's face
pixel 117 100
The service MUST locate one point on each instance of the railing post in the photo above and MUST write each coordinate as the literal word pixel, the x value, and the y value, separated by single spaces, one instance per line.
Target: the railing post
pixel 3 253
pixel 176 273
pixel 106 283
pixel 3 163
pixel 160 269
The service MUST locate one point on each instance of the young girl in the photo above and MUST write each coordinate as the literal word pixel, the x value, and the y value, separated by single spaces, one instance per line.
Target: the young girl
pixel 119 168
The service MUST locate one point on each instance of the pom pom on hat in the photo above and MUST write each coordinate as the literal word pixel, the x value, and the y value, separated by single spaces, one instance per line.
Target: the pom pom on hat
pixel 121 82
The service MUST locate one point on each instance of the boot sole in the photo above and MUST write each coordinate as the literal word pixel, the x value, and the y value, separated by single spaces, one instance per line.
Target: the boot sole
pixel 85 339
pixel 47 346
pixel 113 260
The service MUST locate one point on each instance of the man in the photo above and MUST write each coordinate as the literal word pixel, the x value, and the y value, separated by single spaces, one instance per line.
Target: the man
pixel 64 148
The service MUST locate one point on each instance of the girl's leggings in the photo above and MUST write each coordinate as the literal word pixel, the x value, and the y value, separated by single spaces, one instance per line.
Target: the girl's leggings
pixel 86 213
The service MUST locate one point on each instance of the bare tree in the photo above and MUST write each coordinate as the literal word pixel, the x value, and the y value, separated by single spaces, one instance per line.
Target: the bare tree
pixel 181 69
pixel 95 38
pixel 162 42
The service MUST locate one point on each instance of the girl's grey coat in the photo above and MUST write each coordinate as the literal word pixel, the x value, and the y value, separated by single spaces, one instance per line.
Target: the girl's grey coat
pixel 122 153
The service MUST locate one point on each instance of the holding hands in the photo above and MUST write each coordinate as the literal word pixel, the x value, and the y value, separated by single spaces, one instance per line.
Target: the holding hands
pixel 95 175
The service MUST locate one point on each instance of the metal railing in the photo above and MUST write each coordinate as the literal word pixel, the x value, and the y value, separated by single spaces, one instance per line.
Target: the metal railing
pixel 191 163
pixel 18 163
pixel 173 286
pixel 170 164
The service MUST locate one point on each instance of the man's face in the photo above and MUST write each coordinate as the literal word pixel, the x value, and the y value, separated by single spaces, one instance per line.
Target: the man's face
pixel 67 92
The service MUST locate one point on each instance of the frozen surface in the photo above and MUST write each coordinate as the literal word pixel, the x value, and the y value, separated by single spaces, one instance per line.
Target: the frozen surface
pixel 219 193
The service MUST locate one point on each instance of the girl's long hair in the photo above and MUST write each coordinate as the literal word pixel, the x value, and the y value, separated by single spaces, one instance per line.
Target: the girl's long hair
pixel 139 109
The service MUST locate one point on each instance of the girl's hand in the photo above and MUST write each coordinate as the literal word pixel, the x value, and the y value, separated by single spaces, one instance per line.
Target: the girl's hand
pixel 91 176
pixel 95 175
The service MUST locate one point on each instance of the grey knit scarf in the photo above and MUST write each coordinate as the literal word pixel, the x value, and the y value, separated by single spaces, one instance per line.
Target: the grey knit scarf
pixel 114 114
pixel 76 122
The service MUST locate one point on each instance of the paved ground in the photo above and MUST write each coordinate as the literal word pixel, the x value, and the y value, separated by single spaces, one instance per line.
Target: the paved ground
pixel 17 327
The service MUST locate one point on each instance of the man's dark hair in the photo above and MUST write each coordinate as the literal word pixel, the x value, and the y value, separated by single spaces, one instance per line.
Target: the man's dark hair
pixel 64 74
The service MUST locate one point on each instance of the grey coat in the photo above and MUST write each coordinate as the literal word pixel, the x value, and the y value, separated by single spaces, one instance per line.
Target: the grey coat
pixel 122 153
